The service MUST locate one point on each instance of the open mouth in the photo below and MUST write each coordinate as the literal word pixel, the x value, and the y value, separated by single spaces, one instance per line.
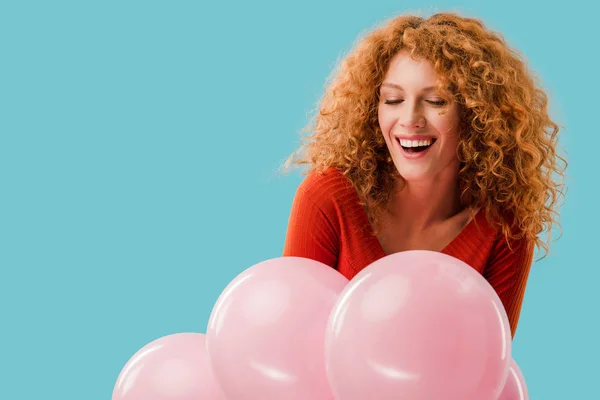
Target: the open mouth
pixel 416 146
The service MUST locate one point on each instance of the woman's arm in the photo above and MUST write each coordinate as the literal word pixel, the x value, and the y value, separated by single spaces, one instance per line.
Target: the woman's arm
pixel 507 271
pixel 310 233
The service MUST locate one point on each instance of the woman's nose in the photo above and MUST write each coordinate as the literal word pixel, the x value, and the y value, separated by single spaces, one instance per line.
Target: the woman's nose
pixel 412 116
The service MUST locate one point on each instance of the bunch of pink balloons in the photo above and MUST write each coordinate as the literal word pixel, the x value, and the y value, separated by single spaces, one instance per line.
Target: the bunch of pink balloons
pixel 416 325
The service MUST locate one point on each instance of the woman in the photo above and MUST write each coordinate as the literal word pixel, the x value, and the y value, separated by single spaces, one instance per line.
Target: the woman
pixel 432 135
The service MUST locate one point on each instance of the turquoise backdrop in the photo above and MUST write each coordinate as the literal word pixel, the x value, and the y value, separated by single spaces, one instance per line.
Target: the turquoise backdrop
pixel 139 143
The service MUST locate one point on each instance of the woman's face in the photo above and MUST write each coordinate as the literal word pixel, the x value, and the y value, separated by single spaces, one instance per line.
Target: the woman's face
pixel 421 131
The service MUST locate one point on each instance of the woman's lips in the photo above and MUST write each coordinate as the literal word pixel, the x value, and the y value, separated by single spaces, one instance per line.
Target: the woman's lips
pixel 414 154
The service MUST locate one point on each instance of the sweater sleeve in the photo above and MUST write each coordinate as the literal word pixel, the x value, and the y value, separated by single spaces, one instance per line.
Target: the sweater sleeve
pixel 507 271
pixel 310 233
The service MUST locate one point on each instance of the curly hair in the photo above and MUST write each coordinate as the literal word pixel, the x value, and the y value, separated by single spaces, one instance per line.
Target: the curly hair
pixel 508 145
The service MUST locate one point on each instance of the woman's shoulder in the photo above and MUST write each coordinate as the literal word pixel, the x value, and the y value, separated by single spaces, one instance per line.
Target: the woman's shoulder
pixel 317 181
pixel 496 227
pixel 330 190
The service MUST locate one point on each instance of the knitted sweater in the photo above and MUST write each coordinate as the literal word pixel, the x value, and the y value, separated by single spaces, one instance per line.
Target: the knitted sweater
pixel 328 224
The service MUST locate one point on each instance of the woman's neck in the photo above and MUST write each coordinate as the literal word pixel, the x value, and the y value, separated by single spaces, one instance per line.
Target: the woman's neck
pixel 421 205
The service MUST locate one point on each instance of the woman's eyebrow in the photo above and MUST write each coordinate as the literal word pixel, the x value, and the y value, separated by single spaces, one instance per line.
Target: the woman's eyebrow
pixel 395 86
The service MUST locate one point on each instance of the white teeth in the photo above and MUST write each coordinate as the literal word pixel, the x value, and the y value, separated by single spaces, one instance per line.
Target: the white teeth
pixel 415 143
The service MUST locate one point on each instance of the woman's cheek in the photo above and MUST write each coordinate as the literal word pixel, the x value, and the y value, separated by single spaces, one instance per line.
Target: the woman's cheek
pixel 385 124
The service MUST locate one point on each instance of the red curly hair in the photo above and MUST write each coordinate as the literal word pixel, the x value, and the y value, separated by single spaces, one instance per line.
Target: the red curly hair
pixel 508 148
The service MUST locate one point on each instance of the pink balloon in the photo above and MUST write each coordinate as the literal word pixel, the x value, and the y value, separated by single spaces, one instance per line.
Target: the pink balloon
pixel 174 367
pixel 515 388
pixel 266 333
pixel 418 325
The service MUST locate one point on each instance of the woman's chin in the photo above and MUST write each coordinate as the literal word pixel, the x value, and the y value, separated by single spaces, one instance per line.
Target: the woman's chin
pixel 414 176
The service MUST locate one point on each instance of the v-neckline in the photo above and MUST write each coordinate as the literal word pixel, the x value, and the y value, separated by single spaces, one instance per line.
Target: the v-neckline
pixel 445 250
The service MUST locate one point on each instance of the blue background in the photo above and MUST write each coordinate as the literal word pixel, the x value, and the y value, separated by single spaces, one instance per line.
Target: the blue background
pixel 139 143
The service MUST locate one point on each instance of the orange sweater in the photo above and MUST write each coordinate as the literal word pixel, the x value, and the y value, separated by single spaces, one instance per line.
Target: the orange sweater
pixel 328 224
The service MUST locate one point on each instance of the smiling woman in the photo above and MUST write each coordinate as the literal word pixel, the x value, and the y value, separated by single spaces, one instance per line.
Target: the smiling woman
pixel 431 135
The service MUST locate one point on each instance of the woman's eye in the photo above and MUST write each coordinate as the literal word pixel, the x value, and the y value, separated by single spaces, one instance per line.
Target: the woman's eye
pixel 393 101
pixel 437 102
